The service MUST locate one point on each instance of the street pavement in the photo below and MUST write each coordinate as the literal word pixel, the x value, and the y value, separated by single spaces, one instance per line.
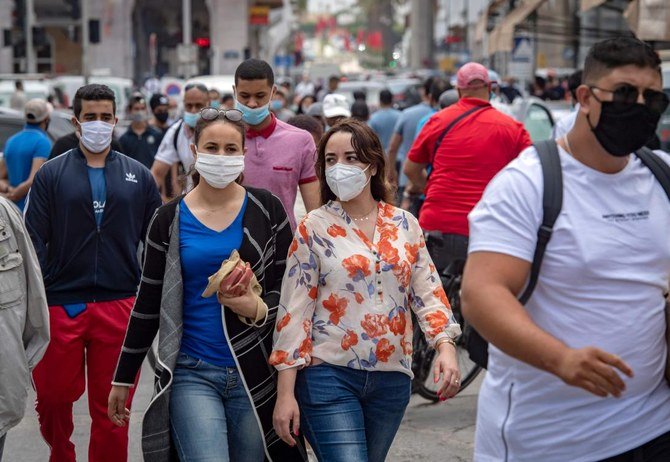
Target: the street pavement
pixel 441 432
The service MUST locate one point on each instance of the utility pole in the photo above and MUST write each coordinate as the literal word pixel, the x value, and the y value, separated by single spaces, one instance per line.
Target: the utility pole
pixel 187 37
pixel 421 21
pixel 31 64
pixel 84 41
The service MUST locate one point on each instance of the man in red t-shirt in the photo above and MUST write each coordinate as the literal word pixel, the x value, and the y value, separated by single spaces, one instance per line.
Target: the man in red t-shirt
pixel 479 142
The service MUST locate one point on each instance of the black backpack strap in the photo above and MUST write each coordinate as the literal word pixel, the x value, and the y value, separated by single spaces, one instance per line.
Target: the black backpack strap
pixel 658 167
pixel 552 202
pixel 451 125
pixel 176 135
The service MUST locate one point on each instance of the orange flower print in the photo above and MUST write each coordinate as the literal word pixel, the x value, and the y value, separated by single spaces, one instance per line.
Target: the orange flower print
pixel 335 230
pixel 313 292
pixel 279 357
pixel 307 326
pixel 283 322
pixel 388 231
pixel 388 211
pixel 412 252
pixel 350 339
pixel 302 230
pixel 357 266
pixel 384 350
pixel 361 235
pixel 293 248
pixel 305 348
pixel 359 298
pixel 403 272
pixel 398 324
pixel 438 321
pixel 431 267
pixel 337 307
pixel 406 346
pixel 442 296
pixel 388 253
pixel 375 325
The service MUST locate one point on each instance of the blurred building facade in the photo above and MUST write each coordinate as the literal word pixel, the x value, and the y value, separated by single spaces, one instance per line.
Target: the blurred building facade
pixel 137 38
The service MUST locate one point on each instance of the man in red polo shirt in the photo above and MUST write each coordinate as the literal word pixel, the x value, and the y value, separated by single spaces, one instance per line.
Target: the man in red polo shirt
pixel 465 145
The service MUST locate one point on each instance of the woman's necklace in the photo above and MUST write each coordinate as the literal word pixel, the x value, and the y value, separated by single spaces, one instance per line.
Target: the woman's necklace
pixel 364 217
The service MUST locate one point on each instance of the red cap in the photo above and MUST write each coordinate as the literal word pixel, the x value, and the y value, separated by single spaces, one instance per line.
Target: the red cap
pixel 471 72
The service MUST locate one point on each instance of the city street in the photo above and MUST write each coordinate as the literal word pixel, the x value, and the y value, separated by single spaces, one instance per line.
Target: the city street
pixel 443 432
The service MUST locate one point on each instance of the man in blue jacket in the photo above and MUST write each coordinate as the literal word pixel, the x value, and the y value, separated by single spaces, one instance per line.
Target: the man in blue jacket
pixel 87 212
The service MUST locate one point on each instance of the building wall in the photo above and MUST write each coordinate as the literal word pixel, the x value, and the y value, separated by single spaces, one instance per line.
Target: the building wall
pixel 6 54
pixel 114 52
pixel 229 34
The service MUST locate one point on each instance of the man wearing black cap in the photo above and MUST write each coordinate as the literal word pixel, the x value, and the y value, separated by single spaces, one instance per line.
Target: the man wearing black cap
pixel 159 109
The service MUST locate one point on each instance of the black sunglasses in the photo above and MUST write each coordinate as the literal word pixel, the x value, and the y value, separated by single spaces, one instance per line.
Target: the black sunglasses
pixel 656 101
pixel 210 113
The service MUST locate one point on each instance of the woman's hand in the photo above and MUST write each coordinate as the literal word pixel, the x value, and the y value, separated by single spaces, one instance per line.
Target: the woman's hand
pixel 446 366
pixel 117 411
pixel 244 305
pixel 286 417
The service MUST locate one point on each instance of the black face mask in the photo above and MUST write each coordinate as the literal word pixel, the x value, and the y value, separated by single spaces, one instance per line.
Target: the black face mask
pixel 624 128
pixel 162 117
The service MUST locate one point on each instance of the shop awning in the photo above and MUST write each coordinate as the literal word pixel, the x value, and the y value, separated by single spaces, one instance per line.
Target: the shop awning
pixel 586 5
pixel 480 28
pixel 502 37
pixel 649 19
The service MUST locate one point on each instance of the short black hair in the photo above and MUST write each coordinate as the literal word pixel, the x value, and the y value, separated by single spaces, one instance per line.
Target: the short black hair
pixel 226 97
pixel 360 110
pixel 93 92
pixel 574 81
pixel 386 97
pixel 438 87
pixel 254 69
pixel 618 52
pixel 360 95
pixel 426 85
pixel 307 123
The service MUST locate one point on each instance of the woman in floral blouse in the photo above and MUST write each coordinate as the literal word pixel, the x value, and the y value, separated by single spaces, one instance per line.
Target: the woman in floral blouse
pixel 343 337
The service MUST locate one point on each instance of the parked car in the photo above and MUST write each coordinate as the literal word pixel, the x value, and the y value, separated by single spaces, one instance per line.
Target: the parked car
pixel 31 88
pixel 536 116
pixel 222 83
pixel 406 92
pixel 121 87
pixel 371 89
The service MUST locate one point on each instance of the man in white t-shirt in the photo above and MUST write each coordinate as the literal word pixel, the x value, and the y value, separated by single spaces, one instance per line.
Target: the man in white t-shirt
pixel 577 374
pixel 173 151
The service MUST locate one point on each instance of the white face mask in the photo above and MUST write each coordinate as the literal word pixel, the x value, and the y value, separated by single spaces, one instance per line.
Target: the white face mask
pixel 96 136
pixel 346 181
pixel 218 170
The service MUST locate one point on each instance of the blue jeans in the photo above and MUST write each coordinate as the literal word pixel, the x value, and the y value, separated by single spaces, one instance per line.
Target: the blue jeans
pixel 350 415
pixel 211 415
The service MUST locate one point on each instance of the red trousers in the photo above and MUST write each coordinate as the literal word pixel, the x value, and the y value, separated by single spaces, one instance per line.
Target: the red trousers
pixel 82 349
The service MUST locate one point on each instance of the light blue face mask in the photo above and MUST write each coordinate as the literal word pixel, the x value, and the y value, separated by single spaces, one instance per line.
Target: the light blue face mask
pixel 191 118
pixel 253 116
pixel 276 105
pixel 215 104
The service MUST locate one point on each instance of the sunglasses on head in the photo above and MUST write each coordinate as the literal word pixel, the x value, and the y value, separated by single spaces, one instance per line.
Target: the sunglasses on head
pixel 210 113
pixel 656 101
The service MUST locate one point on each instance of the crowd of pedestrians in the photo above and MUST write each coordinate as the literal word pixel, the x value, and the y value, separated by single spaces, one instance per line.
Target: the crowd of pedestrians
pixel 278 333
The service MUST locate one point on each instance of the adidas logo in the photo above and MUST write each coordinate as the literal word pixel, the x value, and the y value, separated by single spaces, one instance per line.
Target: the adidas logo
pixel 131 177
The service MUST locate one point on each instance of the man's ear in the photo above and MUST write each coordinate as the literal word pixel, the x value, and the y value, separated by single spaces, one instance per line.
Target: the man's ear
pixel 584 98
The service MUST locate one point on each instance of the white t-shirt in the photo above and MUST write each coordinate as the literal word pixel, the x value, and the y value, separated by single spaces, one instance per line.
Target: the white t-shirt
pixel 565 123
pixel 167 154
pixel 602 282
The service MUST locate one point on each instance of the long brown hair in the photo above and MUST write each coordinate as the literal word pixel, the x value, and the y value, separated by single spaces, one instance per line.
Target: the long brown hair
pixel 369 151
pixel 200 126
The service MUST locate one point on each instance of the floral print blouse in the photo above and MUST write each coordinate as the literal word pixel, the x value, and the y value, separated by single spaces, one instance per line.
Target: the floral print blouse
pixel 346 300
